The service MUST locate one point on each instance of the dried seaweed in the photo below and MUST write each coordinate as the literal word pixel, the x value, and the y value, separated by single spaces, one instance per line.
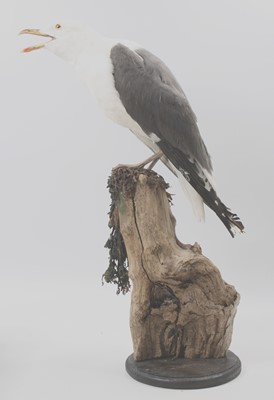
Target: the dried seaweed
pixel 122 184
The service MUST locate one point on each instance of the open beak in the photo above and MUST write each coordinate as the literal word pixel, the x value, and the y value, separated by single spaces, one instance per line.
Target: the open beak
pixel 36 32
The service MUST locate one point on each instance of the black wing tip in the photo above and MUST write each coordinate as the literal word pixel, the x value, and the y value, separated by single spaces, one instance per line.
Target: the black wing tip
pixel 233 223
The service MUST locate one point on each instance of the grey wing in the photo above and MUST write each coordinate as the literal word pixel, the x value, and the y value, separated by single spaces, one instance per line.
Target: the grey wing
pixel 154 99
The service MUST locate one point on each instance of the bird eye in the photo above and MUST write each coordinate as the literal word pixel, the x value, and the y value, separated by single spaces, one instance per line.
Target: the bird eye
pixel 57 26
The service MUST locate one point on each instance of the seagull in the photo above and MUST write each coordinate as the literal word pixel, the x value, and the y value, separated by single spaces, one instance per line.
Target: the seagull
pixel 138 91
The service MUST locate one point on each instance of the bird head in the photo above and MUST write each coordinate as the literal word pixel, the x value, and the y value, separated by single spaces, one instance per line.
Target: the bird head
pixel 67 39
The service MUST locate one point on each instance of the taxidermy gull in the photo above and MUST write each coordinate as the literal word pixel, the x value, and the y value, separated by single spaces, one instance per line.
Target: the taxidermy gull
pixel 138 91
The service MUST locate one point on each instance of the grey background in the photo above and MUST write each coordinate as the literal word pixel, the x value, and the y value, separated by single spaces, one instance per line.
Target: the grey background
pixel 63 335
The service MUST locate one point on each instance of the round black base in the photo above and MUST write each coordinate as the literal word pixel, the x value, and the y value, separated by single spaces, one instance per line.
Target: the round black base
pixel 185 373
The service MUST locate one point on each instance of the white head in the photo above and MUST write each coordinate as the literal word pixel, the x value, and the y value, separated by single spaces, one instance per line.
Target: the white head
pixel 67 40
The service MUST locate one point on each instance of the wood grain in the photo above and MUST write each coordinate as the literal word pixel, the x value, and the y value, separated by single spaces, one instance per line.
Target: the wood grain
pixel 180 305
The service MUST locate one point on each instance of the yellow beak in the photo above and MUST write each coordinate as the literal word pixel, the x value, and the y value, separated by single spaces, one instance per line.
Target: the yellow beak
pixel 36 32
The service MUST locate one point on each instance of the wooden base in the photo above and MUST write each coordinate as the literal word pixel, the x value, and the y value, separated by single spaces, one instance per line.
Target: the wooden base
pixel 185 373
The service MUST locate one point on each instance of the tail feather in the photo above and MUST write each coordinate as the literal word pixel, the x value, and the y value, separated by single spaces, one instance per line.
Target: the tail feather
pixel 194 197
pixel 203 183
pixel 209 196
pixel 231 221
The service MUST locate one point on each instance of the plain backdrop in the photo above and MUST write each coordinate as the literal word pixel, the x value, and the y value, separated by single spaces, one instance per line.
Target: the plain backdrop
pixel 62 334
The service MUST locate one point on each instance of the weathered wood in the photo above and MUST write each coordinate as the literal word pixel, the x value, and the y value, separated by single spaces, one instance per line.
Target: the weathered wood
pixel 180 305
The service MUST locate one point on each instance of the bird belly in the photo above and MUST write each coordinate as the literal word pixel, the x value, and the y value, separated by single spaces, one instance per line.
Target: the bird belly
pixel 112 106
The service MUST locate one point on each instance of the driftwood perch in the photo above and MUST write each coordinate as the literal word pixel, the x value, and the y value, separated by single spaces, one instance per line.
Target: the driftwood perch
pixel 180 305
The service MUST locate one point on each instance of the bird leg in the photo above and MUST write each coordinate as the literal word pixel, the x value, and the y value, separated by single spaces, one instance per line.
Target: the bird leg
pixel 152 160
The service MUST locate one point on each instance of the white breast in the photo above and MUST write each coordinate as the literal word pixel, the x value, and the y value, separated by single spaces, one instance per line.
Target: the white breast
pixel 97 72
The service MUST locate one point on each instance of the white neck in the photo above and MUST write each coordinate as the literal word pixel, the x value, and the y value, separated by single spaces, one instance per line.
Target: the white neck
pixel 73 48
